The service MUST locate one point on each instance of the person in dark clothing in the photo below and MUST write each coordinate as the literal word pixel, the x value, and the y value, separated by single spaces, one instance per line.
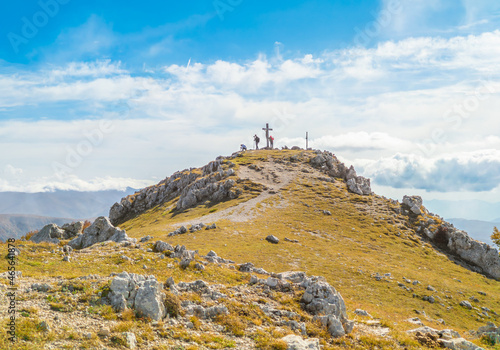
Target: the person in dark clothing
pixel 257 140
pixel 243 147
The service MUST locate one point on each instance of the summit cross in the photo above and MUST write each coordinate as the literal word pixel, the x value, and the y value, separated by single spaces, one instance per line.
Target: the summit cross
pixel 267 129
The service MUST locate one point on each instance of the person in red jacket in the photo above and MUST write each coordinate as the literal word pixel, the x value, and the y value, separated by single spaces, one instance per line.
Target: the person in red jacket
pixel 271 140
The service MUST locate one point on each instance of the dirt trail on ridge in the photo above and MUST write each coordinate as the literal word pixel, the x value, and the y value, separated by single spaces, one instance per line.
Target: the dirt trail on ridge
pixel 274 176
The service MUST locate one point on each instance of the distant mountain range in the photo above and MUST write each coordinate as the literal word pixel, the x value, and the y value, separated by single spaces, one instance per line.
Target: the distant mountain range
pixel 480 230
pixel 23 212
pixel 465 209
pixel 15 226
pixel 62 204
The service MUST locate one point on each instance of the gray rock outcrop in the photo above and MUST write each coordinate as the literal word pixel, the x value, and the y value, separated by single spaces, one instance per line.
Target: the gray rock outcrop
pixel 206 312
pixel 191 186
pixel 475 252
pixel 446 338
pixel 142 293
pixel 295 342
pixel 49 233
pixel 478 255
pixel 327 304
pixel 52 233
pixel 459 344
pixel 413 203
pixel 359 185
pixel 491 332
pixel 330 165
pixel 74 229
pixel 160 247
pixel 100 231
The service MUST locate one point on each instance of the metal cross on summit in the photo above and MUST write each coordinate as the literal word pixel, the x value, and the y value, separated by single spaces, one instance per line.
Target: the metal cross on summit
pixel 267 129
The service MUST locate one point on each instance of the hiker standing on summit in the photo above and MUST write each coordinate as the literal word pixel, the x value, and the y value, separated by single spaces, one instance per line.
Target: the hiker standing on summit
pixel 257 140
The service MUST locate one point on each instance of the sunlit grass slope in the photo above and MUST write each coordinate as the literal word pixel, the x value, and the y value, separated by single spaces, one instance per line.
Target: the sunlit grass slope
pixel 362 237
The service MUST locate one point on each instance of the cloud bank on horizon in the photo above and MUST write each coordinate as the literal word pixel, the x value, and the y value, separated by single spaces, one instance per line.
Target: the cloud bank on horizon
pixel 98 98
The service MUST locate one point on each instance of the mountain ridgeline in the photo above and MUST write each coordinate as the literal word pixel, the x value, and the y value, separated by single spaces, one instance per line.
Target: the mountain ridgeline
pixel 215 183
pixel 218 181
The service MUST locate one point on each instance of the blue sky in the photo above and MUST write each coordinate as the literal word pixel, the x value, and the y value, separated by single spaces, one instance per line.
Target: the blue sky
pixel 100 95
pixel 158 33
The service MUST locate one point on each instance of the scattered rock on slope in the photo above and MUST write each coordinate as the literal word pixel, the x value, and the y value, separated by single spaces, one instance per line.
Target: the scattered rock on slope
pixel 142 293
pixel 100 231
pixel 295 342
pixel 414 203
pixel 53 234
pixel 327 304
pixel 272 239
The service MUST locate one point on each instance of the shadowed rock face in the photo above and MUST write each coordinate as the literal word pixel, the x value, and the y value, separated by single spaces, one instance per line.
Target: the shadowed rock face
pixel 100 231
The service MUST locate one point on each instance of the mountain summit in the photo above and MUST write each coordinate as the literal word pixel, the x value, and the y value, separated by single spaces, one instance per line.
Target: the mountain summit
pixel 257 176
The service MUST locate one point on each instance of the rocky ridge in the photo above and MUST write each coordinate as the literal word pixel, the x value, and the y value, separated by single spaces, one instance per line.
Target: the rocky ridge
pixel 191 186
pixel 216 181
pixel 479 256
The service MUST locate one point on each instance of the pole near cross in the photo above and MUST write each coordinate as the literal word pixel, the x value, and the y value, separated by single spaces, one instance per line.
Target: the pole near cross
pixel 267 129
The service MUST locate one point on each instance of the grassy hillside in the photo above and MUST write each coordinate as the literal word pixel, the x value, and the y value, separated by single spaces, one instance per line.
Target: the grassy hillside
pixel 364 237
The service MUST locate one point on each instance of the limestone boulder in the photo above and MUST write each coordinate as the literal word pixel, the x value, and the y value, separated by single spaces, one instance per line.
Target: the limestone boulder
pixel 142 293
pixel 272 239
pixel 295 342
pixel 100 231
pixel 322 300
pixel 475 252
pixel 359 185
pixel 459 344
pixel 74 229
pixel 161 247
pixel 50 233
pixel 413 203
pixel 149 300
